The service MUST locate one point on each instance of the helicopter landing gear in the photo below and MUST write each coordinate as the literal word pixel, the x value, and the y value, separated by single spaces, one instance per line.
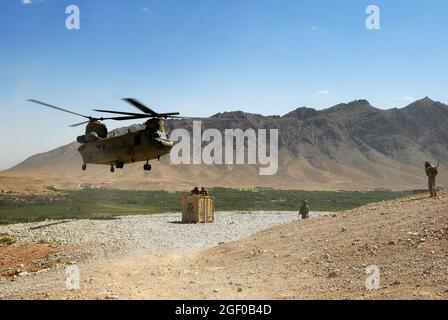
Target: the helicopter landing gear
pixel 147 167
pixel 84 167
pixel 112 168
pixel 119 164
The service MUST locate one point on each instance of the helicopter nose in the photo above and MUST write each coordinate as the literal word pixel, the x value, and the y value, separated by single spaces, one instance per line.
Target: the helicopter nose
pixel 168 143
pixel 165 144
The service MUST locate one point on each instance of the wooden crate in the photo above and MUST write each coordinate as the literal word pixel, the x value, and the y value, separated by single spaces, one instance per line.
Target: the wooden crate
pixel 198 209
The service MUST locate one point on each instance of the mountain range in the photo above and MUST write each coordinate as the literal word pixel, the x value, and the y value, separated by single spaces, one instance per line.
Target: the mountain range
pixel 349 146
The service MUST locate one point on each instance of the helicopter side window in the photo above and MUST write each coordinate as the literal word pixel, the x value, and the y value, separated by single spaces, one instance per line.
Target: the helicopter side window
pixel 138 139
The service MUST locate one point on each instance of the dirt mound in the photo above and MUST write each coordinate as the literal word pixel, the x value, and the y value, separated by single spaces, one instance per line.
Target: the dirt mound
pixel 327 257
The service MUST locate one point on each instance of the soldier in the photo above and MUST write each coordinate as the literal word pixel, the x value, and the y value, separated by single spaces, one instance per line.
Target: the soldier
pixel 203 192
pixel 195 191
pixel 431 172
pixel 304 209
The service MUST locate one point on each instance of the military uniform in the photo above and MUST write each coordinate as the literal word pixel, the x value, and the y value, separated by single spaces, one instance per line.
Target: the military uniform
pixel 431 172
pixel 195 191
pixel 203 192
pixel 304 209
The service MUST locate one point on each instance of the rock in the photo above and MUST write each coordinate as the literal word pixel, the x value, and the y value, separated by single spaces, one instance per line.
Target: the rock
pixel 239 290
pixel 12 272
pixel 215 290
pixel 334 273
pixel 23 274
pixel 392 243
pixel 6 239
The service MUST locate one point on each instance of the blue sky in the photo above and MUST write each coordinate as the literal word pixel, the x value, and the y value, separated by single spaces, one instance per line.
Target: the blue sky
pixel 207 56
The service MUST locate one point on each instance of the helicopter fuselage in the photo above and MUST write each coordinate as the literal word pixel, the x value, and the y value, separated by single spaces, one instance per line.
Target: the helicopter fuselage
pixel 143 145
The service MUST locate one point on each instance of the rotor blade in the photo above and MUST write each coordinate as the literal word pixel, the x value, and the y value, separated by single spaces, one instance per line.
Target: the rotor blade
pixel 57 108
pixel 143 116
pixel 118 112
pixel 169 114
pixel 78 124
pixel 187 118
pixel 140 106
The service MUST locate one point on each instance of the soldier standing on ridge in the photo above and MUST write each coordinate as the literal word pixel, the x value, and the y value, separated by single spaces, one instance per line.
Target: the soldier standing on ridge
pixel 304 209
pixel 431 172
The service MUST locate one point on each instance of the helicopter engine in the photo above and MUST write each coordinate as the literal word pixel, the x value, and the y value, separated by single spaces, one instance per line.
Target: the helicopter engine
pixel 97 127
pixel 156 125
pixel 95 130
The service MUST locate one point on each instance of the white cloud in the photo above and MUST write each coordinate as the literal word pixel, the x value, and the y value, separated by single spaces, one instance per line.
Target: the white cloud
pixel 26 2
pixel 144 9
pixel 322 92
pixel 406 98
pixel 315 28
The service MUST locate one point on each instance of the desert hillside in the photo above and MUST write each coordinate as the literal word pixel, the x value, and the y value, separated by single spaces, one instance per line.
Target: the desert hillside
pixel 327 257
pixel 348 146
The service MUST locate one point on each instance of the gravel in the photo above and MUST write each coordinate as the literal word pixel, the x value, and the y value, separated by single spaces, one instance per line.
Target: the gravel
pixel 101 241
pixel 163 232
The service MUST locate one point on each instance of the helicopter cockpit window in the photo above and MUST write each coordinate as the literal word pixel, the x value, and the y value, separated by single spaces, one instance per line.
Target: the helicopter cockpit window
pixel 138 139
pixel 156 135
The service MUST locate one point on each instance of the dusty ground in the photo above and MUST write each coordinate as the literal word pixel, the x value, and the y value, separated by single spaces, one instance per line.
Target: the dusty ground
pixel 324 257
pixel 25 258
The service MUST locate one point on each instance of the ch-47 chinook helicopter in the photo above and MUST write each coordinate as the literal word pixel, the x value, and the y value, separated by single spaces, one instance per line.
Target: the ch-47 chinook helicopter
pixel 97 147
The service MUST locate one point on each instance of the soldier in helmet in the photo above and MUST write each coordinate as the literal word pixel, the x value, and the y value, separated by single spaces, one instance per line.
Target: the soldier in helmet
pixel 431 172
pixel 304 209
pixel 195 191
pixel 203 192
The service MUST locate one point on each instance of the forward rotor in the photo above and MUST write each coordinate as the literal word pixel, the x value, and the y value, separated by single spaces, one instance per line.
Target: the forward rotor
pixel 90 118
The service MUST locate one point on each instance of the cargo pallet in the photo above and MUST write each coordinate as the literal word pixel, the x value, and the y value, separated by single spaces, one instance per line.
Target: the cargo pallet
pixel 198 209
